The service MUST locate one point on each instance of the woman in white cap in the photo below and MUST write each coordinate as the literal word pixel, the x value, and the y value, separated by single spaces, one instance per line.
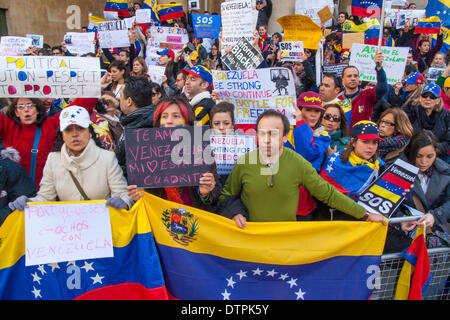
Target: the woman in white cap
pixel 79 169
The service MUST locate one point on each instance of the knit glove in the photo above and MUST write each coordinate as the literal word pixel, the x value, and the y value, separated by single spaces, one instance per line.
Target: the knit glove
pixel 20 203
pixel 116 203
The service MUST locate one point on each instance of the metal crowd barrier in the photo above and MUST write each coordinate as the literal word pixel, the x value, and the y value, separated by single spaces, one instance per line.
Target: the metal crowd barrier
pixel 391 265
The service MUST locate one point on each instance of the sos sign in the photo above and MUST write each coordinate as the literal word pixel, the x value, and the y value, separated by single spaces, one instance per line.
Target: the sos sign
pixel 206 25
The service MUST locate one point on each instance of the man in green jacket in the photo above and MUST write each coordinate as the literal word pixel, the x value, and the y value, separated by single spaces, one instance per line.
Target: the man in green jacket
pixel 264 184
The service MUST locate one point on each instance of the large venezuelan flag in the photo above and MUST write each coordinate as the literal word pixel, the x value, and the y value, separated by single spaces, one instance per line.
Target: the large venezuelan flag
pixel 428 25
pixel 370 28
pixel 134 272
pixel 153 6
pixel 121 6
pixel 207 257
pixel 440 8
pixel 367 8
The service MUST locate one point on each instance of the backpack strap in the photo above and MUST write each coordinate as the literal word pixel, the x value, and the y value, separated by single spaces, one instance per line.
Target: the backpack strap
pixel 34 152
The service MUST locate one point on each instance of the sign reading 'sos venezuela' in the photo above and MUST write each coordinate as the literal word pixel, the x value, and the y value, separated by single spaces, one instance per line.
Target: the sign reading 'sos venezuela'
pixel 254 91
pixel 49 77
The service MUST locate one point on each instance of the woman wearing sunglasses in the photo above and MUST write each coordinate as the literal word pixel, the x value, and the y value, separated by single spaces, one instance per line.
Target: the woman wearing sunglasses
pixel 396 130
pixel 335 123
pixel 428 113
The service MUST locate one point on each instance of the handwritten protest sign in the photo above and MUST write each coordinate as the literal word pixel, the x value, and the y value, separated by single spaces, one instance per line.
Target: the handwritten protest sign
pixel 80 42
pixel 13 45
pixel 291 50
pixel 228 148
pixel 67 231
pixel 167 157
pixel 164 37
pixel 385 194
pixel 37 40
pixel 406 17
pixel 239 19
pixel 113 34
pixel 254 91
pixel 394 62
pixel 301 28
pixel 243 56
pixel 156 73
pixel 313 8
pixel 49 76
pixel 206 26
pixel 143 15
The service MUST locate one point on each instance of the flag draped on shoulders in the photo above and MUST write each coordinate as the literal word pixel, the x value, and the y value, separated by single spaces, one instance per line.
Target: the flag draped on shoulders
pixel 370 28
pixel 120 6
pixel 415 275
pixel 352 177
pixel 207 257
pixel 117 278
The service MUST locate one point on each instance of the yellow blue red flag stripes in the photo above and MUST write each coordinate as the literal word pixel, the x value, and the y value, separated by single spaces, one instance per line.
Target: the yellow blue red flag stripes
pixel 170 11
pixel 415 275
pixel 120 277
pixel 120 6
pixel 207 257
pixel 440 8
pixel 428 25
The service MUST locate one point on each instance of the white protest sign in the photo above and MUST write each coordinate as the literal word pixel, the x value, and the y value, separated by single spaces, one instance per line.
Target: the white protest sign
pixel 143 15
pixel 239 19
pixel 169 37
pixel 130 21
pixel 12 45
pixel 156 73
pixel 393 17
pixel 49 77
pixel 291 50
pixel 310 8
pixel 111 15
pixel 37 40
pixel 80 42
pixel 228 148
pixel 254 91
pixel 61 232
pixel 113 34
pixel 394 62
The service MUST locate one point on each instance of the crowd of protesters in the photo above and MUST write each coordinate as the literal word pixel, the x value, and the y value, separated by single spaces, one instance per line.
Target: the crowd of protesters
pixel 44 157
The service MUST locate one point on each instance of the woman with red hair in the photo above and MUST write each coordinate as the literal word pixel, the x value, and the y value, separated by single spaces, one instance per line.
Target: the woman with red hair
pixel 177 112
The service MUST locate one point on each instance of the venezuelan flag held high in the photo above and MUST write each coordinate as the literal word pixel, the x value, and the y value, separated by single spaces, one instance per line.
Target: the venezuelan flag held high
pixel 446 44
pixel 428 25
pixel 152 5
pixel 121 6
pixel 207 257
pixel 170 11
pixel 370 28
pixel 121 277
pixel 415 275
pixel 367 8
pixel 440 8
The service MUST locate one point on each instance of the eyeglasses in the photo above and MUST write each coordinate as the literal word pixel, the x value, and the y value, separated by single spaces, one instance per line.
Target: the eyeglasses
pixel 387 123
pixel 25 106
pixel 429 95
pixel 331 117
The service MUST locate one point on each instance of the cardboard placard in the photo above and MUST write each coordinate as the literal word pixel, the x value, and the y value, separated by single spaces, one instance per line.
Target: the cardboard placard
pixel 243 56
pixel 301 28
pixel 167 157
pixel 325 14
pixel 348 39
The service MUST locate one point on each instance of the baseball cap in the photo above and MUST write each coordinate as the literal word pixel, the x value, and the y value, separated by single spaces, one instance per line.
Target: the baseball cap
pixel 74 115
pixel 447 83
pixel 310 99
pixel 432 88
pixel 167 52
pixel 201 72
pixel 193 55
pixel 366 130
pixel 414 78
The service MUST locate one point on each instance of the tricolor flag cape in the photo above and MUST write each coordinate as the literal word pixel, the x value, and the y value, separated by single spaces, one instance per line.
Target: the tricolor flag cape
pixel 205 256
pixel 370 28
pixel 133 273
pixel 367 8
pixel 170 11
pixel 428 25
pixel 440 8
pixel 350 178
pixel 415 275
pixel 121 6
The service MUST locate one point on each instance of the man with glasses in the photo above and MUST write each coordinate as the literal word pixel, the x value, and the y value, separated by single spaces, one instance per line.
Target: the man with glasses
pixel 264 184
